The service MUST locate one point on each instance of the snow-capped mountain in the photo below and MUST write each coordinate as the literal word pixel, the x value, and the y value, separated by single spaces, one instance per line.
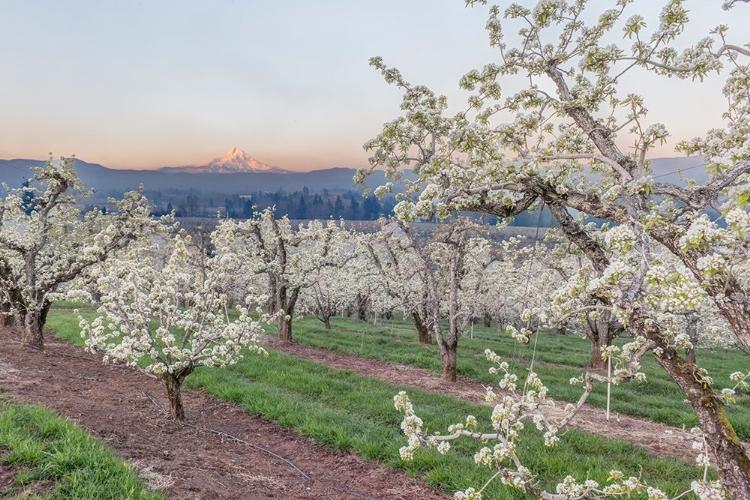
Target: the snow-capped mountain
pixel 235 161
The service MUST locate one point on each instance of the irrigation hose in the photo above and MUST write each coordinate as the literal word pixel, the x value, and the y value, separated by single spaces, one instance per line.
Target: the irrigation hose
pixel 254 446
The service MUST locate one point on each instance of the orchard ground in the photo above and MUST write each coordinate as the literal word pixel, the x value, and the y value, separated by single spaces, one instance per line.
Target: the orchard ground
pixel 111 402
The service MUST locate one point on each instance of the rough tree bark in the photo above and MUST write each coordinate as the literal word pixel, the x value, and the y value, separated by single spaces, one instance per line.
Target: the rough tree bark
pixel 173 382
pixel 285 329
pixel 423 331
pixel 33 323
pixel 732 464
pixel 448 352
pixel 600 336
pixel 362 307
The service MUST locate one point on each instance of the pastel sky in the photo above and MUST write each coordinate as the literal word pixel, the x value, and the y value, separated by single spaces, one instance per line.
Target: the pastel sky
pixel 144 84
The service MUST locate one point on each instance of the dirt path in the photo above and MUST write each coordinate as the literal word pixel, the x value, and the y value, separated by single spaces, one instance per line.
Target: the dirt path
pixel 182 462
pixel 659 439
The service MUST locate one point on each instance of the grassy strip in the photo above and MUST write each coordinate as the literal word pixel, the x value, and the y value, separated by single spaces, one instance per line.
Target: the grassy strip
pixel 55 456
pixel 347 411
pixel 558 358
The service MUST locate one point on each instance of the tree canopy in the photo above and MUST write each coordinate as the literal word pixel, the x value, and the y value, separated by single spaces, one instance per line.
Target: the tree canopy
pixel 577 141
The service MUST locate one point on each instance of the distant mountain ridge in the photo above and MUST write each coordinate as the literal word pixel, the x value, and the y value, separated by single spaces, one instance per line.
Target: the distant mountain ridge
pixel 235 161
pixel 112 181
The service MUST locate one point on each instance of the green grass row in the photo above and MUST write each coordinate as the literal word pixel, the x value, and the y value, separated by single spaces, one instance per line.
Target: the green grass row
pixel 347 411
pixel 557 359
pixel 55 459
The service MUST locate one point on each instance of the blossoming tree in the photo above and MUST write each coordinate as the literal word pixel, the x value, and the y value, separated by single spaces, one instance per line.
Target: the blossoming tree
pixel 332 275
pixel 558 142
pixel 174 316
pixel 400 277
pixel 435 280
pixel 288 258
pixel 46 241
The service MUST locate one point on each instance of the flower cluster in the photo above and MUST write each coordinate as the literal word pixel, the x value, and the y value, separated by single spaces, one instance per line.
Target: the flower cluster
pixel 173 317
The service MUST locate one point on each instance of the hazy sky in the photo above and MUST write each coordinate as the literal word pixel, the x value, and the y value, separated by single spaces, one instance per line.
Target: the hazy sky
pixel 144 84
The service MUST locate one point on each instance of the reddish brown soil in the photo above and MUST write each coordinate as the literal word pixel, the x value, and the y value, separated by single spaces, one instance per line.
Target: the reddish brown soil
pixel 180 461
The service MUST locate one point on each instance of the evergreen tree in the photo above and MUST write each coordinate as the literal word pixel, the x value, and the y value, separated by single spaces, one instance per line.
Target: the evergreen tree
pixel 302 207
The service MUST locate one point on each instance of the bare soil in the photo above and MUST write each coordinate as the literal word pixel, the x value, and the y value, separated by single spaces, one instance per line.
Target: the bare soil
pixel 111 402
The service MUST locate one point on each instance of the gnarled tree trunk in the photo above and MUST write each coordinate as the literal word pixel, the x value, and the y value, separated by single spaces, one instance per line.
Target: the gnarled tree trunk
pixel 448 358
pixel 173 382
pixel 423 331
pixel 599 333
pixel 285 329
pixel 362 307
pixel 732 464
pixel 286 300
pixel 33 325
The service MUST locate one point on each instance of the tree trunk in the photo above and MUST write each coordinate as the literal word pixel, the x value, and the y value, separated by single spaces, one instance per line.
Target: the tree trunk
pixel 600 337
pixel 5 315
pixel 361 307
pixel 32 329
pixel 448 358
pixel 596 363
pixel 286 300
pixel 487 319
pixel 174 381
pixel 732 464
pixel 174 393
pixel 273 304
pixel 327 322
pixel 425 337
pixel 690 356
pixel 285 328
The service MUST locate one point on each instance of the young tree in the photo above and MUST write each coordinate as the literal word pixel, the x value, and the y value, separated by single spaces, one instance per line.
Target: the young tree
pixel 585 309
pixel 393 254
pixel 431 280
pixel 557 142
pixel 333 275
pixel 270 246
pixel 174 315
pixel 453 263
pixel 45 240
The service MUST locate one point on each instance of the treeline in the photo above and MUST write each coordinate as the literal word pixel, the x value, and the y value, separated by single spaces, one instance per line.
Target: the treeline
pixel 302 205
pixel 346 204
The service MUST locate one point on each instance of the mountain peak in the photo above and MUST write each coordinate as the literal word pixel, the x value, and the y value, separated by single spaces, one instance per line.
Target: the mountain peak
pixel 234 161
pixel 234 153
